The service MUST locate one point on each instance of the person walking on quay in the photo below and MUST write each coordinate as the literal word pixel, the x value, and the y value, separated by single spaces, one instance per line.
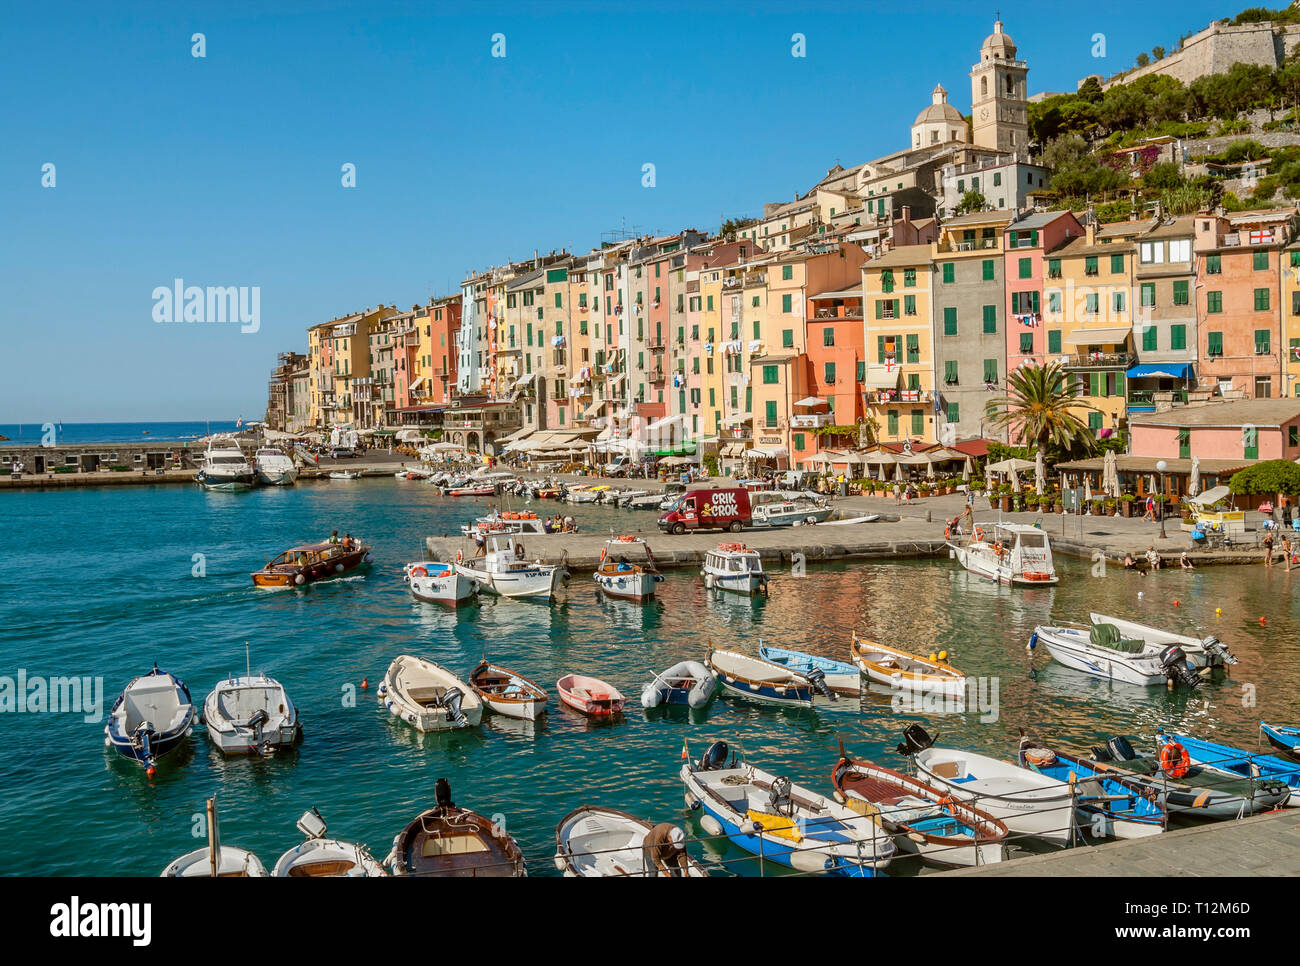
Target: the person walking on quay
pixel 1268 549
pixel 1151 509
pixel 898 493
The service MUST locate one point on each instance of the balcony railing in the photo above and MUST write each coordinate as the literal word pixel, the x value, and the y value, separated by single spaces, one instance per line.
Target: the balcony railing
pixel 656 377
pixel 757 278
pixel 810 421
pixel 882 397
pixel 1098 360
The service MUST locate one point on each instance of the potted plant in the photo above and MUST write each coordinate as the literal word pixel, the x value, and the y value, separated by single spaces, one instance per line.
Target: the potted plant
pixel 994 498
pixel 1111 505
pixel 1004 497
pixel 1126 504
pixel 1032 501
pixel 923 488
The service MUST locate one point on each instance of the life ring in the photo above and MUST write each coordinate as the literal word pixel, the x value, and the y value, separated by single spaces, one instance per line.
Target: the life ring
pixel 418 572
pixel 625 539
pixel 1174 760
pixel 460 556
pixel 603 551
pixel 979 533
pixel 948 805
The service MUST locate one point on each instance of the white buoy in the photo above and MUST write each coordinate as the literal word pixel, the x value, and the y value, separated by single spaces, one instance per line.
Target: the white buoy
pixel 711 825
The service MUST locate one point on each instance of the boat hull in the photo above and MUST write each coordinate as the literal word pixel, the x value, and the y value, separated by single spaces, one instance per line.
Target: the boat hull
pixel 594 843
pixel 1285 740
pixel 748 584
pixel 450 589
pixel 842 678
pixel 590 696
pixel 1072 649
pixel 535 583
pixel 899 670
pixel 629 585
pixel 342 565
pixel 401 693
pixel 232 862
pixel 985 565
pixel 281 731
pixel 687 683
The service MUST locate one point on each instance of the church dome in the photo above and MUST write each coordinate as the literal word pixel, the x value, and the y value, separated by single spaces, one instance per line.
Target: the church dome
pixel 999 44
pixel 939 110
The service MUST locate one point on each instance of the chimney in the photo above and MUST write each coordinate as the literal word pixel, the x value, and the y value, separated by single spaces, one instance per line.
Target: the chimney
pixel 907 214
pixel 1090 232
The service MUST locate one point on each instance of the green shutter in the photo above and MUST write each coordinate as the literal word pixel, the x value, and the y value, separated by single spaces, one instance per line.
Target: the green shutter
pixel 918 422
pixel 950 320
pixel 954 414
pixel 913 348
pixel 1026 268
pixel 893 422
pixel 1178 337
pixel 989 270
pixel 1149 339
pixel 949 272
pixel 990 319
pixel 1054 340
pixel 770 411
pixel 1215 343
pixel 1117 264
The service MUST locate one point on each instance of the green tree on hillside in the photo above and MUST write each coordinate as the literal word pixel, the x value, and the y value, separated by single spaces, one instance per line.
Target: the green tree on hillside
pixel 970 202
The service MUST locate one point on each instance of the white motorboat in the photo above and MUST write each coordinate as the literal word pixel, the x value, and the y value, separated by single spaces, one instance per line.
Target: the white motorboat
pixel 274 468
pixel 619 577
pixel 427 696
pixel 787 513
pixel 413 473
pixel 651 501
pixel 734 567
pixel 849 521
pixel 1100 650
pixel 1010 553
pixel 225 468
pixel 686 682
pixel 346 475
pixel 503 570
pixel 585 494
pixel 251 715
pixel 624 497
pixel 439 583
pixel 769 816
pixel 152 717
pixel 593 842
pixel 319 858
pixel 1024 801
pixel 216 861
pixel 1206 651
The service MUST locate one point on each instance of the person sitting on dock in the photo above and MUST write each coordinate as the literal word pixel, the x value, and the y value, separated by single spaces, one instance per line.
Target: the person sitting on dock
pixel 664 851
pixel 1185 562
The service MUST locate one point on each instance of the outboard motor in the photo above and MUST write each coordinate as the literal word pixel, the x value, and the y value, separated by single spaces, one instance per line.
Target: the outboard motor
pixel 779 796
pixel 714 757
pixel 442 793
pixel 451 704
pixel 1216 648
pixel 915 740
pixel 1101 753
pixel 1121 749
pixel 1176 666
pixel 817 678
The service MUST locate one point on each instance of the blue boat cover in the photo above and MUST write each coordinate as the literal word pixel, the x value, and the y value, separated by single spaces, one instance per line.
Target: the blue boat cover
pixel 1170 370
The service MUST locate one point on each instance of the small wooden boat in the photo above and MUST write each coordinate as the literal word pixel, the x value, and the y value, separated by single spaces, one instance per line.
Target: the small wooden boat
pixel 618 577
pixel 1099 650
pixel 451 841
pixel 1201 652
pixel 904 671
pixel 427 696
pixel 923 819
pixel 761 680
pixel 1284 739
pixel 310 563
pixel 734 567
pixel 322 858
pixel 251 715
pixel 152 717
pixel 216 861
pixel 828 676
pixel 547 492
pixel 440 583
pixel 593 842
pixel 1186 788
pixel 686 682
pixel 1236 762
pixel 591 696
pixel 507 692
pixel 769 816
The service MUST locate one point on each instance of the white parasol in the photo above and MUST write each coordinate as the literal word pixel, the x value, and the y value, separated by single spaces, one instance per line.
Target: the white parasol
pixel 1194 481
pixel 1040 472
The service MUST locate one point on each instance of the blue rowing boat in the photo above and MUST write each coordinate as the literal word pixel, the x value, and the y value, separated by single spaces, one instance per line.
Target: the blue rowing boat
pixel 1283 738
pixel 1238 763
pixel 839 677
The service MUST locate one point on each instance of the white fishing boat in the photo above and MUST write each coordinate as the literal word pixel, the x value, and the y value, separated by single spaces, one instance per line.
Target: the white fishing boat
pixel 904 671
pixel 651 501
pixel 1026 802
pixel 321 858
pixel 1100 650
pixel 345 475
pixel 585 494
pixel 507 692
pixel 734 567
pixel 274 468
pixel 439 583
pixel 503 570
pixel 413 473
pixel 427 696
pixel 687 683
pixel 1206 651
pixel 225 468
pixel 251 715
pixel 769 816
pixel 216 861
pixel 624 497
pixel 1010 553
pixel 593 842
pixel 786 513
pixel 619 577
pixel 521 523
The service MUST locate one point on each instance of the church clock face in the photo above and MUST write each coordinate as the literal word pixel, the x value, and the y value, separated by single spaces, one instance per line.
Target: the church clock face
pixel 984 113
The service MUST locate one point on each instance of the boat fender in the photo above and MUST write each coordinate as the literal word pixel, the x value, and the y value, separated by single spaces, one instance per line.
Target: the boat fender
pixel 368 558
pixel 299 579
pixel 692 802
pixel 711 825
pixel 839 798
pixel 460 556
pixel 560 864
pixel 338 568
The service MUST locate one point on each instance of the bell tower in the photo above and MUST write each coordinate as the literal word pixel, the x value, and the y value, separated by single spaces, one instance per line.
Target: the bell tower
pixel 999 95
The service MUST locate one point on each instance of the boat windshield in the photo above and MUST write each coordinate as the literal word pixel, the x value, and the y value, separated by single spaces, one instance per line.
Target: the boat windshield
pixel 1038 540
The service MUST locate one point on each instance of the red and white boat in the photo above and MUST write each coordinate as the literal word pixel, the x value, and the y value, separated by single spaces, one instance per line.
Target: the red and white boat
pixel 488 490
pixel 590 696
pixel 440 583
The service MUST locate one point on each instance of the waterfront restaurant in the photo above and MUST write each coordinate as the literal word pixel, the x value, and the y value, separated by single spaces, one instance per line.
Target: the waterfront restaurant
pixel 1139 475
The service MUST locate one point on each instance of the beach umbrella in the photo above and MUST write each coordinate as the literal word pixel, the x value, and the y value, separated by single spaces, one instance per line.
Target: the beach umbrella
pixel 1087 488
pixel 1194 481
pixel 899 475
pixel 929 469
pixel 965 470
pixel 1112 461
pixel 1015 482
pixel 1040 472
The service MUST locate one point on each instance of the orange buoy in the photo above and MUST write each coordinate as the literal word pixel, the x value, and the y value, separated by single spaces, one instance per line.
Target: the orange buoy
pixel 1175 603
pixel 365 683
pixel 1262 621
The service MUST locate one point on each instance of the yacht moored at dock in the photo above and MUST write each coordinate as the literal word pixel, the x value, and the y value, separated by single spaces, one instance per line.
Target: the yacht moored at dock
pixel 1010 553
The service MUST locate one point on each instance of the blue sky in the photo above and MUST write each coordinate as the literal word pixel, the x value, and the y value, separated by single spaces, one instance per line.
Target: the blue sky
pixel 226 170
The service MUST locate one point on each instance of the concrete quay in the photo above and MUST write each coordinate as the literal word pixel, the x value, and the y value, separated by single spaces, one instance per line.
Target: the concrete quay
pixel 1262 845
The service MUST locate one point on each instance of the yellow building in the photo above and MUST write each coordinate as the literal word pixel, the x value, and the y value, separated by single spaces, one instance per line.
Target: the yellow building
pixel 1087 310
pixel 713 360
pixel 1290 266
pixel 897 309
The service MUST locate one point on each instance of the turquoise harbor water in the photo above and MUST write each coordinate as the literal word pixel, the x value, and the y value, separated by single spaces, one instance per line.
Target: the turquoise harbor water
pixel 98 582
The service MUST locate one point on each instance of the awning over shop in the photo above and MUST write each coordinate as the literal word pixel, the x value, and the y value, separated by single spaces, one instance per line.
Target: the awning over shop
pixel 1169 370
pixel 736 420
pixel 517 434
pixel 416 385
pixel 525 380
pixel 733 450
pixel 1116 336
pixel 768 452
pixel 810 401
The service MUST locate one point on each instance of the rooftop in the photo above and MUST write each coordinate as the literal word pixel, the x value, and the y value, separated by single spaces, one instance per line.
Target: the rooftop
pixel 1230 413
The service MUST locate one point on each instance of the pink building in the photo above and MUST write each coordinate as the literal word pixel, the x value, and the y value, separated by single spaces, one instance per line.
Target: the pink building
pixel 1027 245
pixel 1242 429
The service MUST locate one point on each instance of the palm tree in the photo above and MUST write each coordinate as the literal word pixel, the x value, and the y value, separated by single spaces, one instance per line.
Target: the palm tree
pixel 1040 407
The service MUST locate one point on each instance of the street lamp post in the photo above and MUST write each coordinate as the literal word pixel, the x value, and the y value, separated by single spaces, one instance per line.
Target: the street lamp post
pixel 1161 466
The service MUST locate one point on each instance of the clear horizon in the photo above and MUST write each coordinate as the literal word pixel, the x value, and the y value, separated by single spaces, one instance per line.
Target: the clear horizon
pixel 226 169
